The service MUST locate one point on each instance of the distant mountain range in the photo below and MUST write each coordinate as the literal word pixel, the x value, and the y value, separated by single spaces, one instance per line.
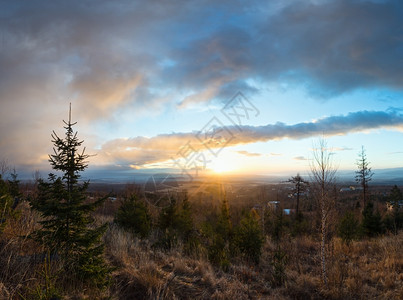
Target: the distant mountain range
pixel 99 175
pixel 381 176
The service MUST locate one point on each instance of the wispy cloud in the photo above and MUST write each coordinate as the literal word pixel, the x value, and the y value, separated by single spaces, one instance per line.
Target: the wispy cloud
pixel 342 149
pixel 142 150
pixel 249 154
pixel 300 158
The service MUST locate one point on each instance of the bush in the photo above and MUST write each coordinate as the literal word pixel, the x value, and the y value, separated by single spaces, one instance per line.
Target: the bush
pixel 218 251
pixel 167 224
pixel 185 227
pixel 371 223
pixel 6 202
pixel 219 238
pixel 278 263
pixel 299 225
pixel 133 216
pixel 176 224
pixel 348 227
pixel 248 237
pixel 393 221
pixel 275 225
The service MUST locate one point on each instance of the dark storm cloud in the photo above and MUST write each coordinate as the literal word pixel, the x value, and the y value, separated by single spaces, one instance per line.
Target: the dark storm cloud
pixel 109 56
pixel 329 48
pixel 100 52
pixel 336 46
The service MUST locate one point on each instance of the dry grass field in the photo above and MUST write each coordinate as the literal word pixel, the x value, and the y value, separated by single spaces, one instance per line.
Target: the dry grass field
pixel 365 269
pixel 368 269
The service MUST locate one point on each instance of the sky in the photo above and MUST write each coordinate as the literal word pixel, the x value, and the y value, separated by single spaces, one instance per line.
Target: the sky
pixel 200 87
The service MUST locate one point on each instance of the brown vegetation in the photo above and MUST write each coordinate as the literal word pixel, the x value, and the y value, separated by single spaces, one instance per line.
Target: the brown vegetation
pixel 364 269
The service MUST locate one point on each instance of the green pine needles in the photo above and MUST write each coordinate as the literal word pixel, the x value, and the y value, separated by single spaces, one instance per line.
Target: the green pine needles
pixel 68 231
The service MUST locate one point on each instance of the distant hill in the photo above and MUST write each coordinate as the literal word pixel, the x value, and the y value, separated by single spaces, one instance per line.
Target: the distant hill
pixel 381 176
pixel 127 175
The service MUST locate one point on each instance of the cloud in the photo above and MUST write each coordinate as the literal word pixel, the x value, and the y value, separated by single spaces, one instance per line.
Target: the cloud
pixel 141 150
pixel 300 158
pixel 342 149
pixel 87 54
pixel 327 47
pixel 337 46
pixel 249 154
pixel 114 54
pixel 135 56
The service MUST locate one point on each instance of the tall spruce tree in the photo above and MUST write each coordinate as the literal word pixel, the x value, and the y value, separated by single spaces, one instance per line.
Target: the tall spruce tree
pixel 68 229
pixel 364 174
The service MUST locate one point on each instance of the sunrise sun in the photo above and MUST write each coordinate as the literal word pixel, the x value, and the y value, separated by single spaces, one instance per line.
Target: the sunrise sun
pixel 222 165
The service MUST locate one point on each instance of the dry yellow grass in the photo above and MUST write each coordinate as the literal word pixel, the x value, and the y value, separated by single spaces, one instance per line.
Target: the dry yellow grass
pixel 364 270
pixel 367 269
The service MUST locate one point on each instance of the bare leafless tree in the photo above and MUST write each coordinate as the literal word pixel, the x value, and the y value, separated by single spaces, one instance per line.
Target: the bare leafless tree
pixel 36 175
pixel 323 176
pixel 4 167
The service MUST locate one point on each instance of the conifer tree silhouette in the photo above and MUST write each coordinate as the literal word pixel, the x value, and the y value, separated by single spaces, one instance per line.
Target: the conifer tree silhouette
pixel 68 229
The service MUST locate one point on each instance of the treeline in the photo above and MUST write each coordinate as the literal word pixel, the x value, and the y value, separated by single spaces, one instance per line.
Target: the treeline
pixel 224 239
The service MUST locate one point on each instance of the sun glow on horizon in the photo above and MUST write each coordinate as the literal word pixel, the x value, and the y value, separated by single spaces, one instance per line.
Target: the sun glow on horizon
pixel 223 165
